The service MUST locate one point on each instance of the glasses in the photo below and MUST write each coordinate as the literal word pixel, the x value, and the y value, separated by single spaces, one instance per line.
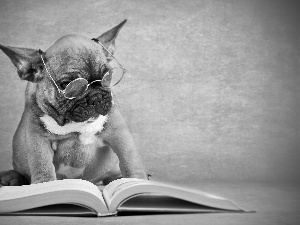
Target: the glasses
pixel 78 86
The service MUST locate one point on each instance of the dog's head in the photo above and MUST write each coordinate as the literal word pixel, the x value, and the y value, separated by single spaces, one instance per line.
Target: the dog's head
pixel 71 57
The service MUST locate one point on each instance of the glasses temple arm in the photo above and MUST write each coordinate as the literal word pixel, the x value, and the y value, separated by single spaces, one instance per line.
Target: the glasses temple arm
pixel 50 75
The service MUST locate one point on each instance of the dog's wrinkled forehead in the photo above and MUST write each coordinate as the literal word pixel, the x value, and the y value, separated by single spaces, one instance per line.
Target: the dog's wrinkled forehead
pixel 75 54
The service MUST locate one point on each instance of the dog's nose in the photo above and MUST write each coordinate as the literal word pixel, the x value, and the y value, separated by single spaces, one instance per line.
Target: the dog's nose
pixel 95 99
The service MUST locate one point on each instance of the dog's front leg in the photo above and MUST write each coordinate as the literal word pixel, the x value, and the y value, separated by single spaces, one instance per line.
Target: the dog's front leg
pixel 120 139
pixel 130 161
pixel 39 152
pixel 40 161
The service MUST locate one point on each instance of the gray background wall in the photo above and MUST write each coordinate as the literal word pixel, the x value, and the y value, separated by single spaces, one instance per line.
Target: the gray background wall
pixel 212 89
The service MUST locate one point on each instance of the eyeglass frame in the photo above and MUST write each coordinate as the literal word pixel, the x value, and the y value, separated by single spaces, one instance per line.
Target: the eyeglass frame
pixel 79 78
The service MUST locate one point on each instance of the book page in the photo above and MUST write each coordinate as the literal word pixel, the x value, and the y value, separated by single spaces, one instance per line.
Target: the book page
pixel 14 192
pixel 16 198
pixel 56 210
pixel 119 191
pixel 161 203
pixel 114 187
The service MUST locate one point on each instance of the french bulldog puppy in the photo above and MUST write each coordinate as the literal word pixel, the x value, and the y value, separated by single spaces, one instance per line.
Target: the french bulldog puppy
pixel 63 135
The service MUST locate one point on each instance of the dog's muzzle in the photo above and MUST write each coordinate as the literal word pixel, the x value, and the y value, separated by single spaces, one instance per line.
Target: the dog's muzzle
pixel 94 103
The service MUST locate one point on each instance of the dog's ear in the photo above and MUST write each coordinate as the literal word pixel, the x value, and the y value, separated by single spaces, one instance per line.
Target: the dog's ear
pixel 108 38
pixel 27 61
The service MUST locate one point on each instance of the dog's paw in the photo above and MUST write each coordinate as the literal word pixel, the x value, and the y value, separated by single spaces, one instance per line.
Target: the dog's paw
pixel 140 175
pixel 111 177
pixel 12 178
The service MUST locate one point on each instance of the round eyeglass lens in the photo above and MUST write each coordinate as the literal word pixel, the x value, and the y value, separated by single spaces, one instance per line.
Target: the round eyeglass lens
pixel 75 88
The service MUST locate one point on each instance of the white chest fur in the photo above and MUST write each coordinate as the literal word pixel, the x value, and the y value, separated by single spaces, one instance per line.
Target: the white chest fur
pixel 87 129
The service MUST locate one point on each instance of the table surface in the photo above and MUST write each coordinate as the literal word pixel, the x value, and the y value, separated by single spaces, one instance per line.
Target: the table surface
pixel 273 203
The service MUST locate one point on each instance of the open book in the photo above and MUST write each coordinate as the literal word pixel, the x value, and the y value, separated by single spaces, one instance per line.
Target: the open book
pixel 80 197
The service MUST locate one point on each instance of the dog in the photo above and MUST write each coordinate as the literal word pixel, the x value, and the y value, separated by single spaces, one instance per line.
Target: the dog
pixel 71 127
